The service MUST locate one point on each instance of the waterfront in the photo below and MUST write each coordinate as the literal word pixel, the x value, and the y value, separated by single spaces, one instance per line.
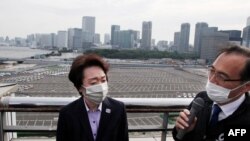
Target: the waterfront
pixel 20 52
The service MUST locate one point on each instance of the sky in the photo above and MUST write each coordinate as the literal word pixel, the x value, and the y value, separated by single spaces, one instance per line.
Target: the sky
pixel 18 18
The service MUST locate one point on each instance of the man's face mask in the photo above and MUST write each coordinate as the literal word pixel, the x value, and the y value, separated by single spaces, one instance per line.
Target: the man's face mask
pixel 219 94
pixel 97 93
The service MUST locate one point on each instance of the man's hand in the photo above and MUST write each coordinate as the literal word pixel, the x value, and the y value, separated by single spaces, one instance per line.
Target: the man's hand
pixel 182 121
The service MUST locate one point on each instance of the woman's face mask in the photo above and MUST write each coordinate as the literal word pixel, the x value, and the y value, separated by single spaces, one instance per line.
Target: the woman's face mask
pixel 97 93
pixel 219 94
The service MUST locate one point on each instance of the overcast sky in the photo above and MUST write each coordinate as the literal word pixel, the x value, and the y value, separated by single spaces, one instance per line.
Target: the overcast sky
pixel 21 17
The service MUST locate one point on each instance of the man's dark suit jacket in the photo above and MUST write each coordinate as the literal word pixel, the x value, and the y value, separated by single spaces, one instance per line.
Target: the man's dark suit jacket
pixel 73 123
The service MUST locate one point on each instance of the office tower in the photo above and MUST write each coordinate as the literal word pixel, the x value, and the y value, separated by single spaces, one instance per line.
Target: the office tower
pixel 107 39
pixel 62 39
pixel 197 37
pixel 234 36
pixel 176 41
pixel 114 28
pixel 246 36
pixel 75 38
pixel 31 40
pixel 88 31
pixel 146 35
pixel 97 39
pixel 248 21
pixel 126 39
pixel 20 42
pixel 184 38
pixel 46 40
pixel 211 43
pixel 54 39
pixel 38 40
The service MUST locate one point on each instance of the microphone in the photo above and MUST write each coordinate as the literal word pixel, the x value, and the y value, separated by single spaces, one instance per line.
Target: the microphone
pixel 197 105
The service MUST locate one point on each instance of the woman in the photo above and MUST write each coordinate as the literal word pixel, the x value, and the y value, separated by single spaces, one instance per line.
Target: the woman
pixel 94 116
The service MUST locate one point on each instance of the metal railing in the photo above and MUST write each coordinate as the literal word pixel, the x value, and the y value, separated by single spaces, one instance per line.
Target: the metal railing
pixel 10 105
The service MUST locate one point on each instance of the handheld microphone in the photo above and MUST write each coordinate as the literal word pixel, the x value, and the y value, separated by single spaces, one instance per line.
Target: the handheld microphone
pixel 197 105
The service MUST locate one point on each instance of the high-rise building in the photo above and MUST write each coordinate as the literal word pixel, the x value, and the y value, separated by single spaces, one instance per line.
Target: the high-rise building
pixel 88 31
pixel 197 37
pixel 234 36
pixel 146 35
pixel 248 21
pixel 31 40
pixel 184 38
pixel 97 38
pixel 107 39
pixel 126 39
pixel 246 36
pixel 54 39
pixel 46 40
pixel 20 42
pixel 176 41
pixel 62 39
pixel 211 43
pixel 114 28
pixel 75 38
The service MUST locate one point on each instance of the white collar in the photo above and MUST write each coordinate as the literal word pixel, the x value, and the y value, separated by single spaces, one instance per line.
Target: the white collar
pixel 87 108
pixel 231 107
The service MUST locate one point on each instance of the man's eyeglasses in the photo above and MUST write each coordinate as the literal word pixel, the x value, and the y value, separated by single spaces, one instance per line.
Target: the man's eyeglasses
pixel 219 76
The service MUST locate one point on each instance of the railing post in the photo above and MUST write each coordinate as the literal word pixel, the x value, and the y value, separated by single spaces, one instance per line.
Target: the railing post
pixel 1 127
pixel 165 126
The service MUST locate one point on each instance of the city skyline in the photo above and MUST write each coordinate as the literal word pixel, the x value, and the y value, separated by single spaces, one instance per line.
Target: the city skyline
pixel 28 17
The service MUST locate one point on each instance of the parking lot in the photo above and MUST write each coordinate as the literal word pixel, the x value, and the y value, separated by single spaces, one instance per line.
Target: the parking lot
pixel 129 82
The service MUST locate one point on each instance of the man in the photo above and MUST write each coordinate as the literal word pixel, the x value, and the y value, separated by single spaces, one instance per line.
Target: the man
pixel 227 102
pixel 94 116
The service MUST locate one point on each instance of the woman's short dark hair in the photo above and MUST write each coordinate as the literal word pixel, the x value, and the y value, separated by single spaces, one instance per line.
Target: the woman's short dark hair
pixel 82 62
pixel 235 49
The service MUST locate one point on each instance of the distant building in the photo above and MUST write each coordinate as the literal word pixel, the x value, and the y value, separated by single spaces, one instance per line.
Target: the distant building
pixel 211 43
pixel 146 35
pixel 184 38
pixel 38 40
pixel 176 41
pixel 88 31
pixel 47 41
pixel 106 39
pixel 234 36
pixel 126 39
pixel 97 39
pixel 197 37
pixel 162 45
pixel 20 42
pixel 54 40
pixel 62 39
pixel 75 38
pixel 246 36
pixel 248 21
pixel 31 42
pixel 114 28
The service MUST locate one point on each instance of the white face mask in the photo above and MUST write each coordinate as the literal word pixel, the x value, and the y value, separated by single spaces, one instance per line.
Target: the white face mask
pixel 219 94
pixel 97 93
